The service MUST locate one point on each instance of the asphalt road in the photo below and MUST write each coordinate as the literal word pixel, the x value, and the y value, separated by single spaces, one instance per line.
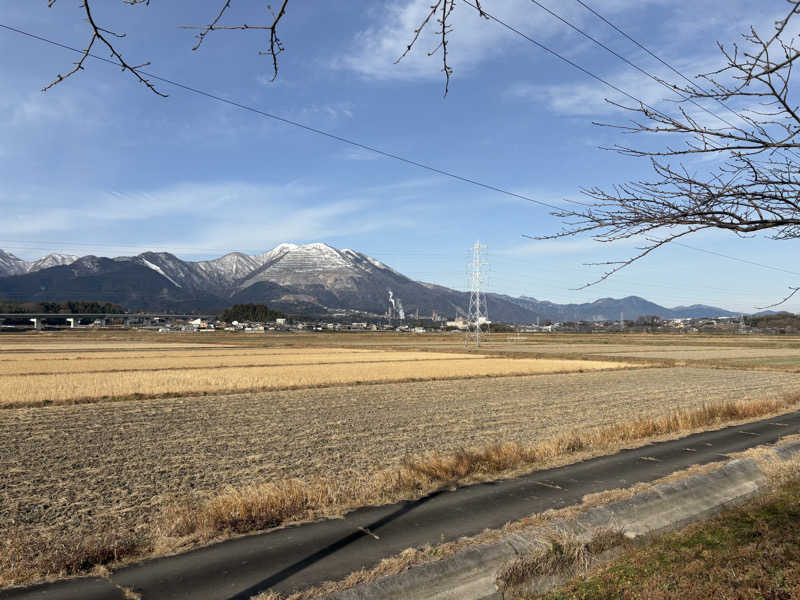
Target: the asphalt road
pixel 295 557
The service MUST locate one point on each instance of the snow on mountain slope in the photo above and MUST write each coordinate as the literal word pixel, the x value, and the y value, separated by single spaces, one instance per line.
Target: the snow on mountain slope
pixel 227 269
pixel 182 274
pixel 51 260
pixel 11 265
pixel 315 264
pixel 160 271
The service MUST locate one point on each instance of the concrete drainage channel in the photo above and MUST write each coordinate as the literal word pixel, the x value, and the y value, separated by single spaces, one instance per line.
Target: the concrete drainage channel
pixel 472 574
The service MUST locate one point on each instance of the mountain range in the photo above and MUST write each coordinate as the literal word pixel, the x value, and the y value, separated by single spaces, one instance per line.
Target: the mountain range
pixel 312 279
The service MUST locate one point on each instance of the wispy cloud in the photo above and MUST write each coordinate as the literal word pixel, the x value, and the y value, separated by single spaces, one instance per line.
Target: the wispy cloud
pixel 358 154
pixel 206 217
pixel 562 247
pixel 589 97
pixel 696 25
pixel 473 39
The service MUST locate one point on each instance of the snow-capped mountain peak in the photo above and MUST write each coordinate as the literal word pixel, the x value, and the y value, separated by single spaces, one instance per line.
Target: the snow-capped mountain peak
pixel 227 269
pixel 52 260
pixel 12 265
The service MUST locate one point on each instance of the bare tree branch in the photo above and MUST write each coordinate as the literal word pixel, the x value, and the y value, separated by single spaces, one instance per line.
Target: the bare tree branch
pixel 445 9
pixel 789 297
pixel 100 34
pixel 274 46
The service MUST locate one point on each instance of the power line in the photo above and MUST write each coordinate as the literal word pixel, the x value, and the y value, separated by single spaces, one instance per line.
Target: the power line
pixel 741 260
pixel 630 63
pixel 573 63
pixel 654 55
pixel 559 56
pixel 297 124
pixel 383 153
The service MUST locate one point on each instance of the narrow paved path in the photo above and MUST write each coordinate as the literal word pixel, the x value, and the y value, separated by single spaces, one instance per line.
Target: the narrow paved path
pixel 295 557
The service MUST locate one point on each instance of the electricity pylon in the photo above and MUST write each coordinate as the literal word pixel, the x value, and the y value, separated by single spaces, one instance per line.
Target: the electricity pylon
pixel 476 315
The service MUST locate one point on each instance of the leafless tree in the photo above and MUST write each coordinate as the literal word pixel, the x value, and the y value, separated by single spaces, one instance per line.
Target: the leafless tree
pixel 750 180
pixel 439 13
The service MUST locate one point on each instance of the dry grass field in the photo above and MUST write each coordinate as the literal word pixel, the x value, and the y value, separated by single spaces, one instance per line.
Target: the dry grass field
pixel 701 353
pixel 191 421
pixel 209 359
pixel 52 378
pixel 35 345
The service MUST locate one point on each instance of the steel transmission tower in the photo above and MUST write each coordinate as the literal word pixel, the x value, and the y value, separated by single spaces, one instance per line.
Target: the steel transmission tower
pixel 476 315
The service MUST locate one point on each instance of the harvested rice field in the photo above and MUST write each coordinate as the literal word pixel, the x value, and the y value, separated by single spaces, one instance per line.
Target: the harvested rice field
pixel 248 358
pixel 695 353
pixel 103 433
pixel 116 346
pixel 78 466
pixel 47 378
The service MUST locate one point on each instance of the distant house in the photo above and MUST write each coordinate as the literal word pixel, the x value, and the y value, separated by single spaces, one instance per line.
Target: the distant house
pixel 458 324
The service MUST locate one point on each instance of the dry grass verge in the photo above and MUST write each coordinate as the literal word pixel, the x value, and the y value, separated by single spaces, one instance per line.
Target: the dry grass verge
pixel 564 555
pixel 746 552
pixel 268 505
pixel 24 554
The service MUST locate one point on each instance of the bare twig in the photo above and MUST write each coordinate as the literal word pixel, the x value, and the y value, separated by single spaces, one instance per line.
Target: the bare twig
pixel 274 46
pixel 794 291
pixel 104 35
pixel 445 9
pixel 100 34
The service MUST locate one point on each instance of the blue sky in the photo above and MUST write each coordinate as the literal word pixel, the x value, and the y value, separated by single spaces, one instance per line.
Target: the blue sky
pixel 100 165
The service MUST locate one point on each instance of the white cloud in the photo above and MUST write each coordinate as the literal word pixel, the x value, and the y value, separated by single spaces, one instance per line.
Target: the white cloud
pixel 567 246
pixel 213 217
pixel 588 97
pixel 24 110
pixel 358 154
pixel 473 39
pixel 312 223
pixel 697 25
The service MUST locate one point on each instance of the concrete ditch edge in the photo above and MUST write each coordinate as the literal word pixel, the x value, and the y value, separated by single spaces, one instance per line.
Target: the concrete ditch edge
pixel 472 574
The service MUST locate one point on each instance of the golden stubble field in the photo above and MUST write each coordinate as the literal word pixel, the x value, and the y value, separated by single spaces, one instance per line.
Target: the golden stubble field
pixel 72 470
pixel 43 375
